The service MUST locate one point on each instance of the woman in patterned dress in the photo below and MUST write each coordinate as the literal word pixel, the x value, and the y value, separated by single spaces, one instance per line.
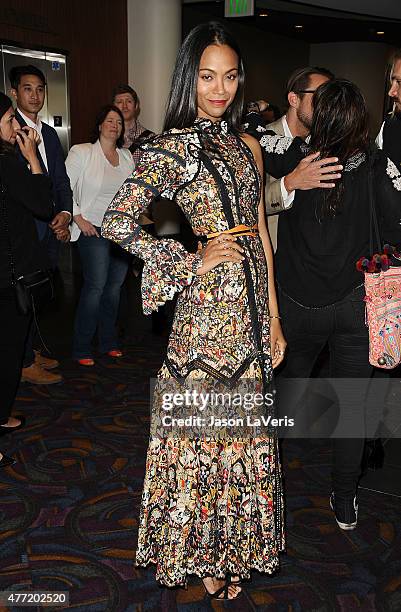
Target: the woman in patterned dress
pixel 211 506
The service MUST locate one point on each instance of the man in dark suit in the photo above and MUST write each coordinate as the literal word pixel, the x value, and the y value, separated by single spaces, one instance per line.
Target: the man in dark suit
pixel 28 87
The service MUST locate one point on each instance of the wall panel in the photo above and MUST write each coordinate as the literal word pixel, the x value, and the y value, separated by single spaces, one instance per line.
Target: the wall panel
pixel 94 35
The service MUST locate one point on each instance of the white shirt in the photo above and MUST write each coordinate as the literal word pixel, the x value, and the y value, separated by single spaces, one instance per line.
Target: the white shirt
pixel 288 198
pixel 379 137
pixel 85 166
pixel 113 178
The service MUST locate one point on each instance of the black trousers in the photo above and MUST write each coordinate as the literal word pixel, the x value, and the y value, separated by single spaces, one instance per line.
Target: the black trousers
pixel 13 332
pixel 50 248
pixel 342 327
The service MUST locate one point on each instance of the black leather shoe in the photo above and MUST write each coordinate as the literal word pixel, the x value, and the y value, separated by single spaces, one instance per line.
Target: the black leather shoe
pixel 6 460
pixel 7 430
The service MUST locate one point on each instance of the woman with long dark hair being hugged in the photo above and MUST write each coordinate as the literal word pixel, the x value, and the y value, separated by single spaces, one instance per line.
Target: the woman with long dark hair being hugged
pixel 320 240
pixel 211 506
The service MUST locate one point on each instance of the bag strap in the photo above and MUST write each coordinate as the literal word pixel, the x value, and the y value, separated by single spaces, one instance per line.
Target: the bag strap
pixel 374 224
pixel 6 230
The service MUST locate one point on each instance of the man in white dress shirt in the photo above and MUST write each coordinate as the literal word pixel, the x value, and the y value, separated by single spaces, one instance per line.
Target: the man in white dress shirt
pixel 297 121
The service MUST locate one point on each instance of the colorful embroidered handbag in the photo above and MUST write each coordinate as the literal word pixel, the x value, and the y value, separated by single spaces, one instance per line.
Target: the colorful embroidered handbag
pixel 383 298
pixel 383 314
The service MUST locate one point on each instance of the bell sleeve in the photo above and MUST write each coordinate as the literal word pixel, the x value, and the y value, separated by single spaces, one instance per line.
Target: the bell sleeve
pixel 168 267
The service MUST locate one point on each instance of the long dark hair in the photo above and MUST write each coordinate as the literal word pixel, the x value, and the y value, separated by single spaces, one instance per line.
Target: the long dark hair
pixel 340 128
pixel 6 148
pixel 182 103
pixel 101 116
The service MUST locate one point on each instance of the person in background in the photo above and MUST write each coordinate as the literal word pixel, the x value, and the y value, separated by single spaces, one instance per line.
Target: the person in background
pixel 389 137
pixel 97 170
pixel 297 120
pixel 126 99
pixel 24 193
pixel 268 112
pixel 28 87
pixel 320 239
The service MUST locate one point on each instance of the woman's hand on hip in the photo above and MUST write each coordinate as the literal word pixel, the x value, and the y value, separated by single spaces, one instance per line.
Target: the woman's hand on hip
pixel 86 227
pixel 219 250
pixel 277 342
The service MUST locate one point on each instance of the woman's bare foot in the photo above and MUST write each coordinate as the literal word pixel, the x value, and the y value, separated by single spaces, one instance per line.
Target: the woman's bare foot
pixel 212 585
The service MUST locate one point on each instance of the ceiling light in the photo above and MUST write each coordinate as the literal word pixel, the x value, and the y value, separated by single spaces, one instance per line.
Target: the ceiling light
pixel 299 27
pixel 263 14
pixel 380 33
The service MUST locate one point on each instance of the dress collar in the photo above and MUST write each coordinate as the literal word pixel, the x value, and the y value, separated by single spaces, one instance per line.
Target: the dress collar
pixel 212 127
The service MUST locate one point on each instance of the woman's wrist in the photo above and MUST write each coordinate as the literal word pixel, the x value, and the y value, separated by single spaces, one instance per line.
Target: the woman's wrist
pixel 196 263
pixel 34 165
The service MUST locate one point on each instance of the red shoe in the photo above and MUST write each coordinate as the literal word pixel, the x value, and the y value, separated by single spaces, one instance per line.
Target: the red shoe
pixel 86 362
pixel 115 353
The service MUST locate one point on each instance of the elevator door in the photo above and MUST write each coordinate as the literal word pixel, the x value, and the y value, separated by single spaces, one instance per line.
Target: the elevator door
pixel 55 110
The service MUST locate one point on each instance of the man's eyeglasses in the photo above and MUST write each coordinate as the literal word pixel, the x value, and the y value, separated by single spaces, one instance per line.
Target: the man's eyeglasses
pixel 306 91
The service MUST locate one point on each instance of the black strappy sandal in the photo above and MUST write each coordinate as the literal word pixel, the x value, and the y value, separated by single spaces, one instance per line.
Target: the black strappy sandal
pixel 223 591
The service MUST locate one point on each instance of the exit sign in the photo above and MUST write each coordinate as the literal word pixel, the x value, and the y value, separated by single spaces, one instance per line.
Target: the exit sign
pixel 239 8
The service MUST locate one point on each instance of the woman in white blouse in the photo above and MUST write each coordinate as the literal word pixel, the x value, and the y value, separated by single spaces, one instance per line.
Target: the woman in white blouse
pixel 96 172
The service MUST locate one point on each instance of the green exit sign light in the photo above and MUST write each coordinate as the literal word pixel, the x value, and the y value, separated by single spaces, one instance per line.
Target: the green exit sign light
pixel 239 8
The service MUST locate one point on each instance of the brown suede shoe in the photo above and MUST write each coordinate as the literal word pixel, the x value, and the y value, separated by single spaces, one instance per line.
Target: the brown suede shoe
pixel 38 376
pixel 45 362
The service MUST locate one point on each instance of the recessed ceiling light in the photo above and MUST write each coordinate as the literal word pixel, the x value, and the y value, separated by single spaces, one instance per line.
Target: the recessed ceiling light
pixel 380 33
pixel 299 27
pixel 263 14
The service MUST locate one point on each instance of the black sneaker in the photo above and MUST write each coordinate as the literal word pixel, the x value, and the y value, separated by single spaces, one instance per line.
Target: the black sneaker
pixel 345 511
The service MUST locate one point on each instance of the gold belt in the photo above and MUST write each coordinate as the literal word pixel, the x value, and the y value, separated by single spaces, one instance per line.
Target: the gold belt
pixel 238 230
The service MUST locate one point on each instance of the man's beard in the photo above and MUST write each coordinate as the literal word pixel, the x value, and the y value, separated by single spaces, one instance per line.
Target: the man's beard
pixel 305 120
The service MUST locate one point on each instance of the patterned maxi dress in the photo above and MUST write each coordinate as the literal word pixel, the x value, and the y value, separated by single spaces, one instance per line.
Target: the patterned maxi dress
pixel 209 506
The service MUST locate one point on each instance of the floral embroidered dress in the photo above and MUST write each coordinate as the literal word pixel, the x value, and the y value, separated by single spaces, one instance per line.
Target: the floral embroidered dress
pixel 209 506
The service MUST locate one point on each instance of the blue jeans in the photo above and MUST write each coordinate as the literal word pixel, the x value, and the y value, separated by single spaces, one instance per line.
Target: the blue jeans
pixel 104 267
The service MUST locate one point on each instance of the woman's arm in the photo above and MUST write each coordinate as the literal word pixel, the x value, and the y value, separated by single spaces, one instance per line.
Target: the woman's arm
pixel 168 266
pixel 76 163
pixel 277 341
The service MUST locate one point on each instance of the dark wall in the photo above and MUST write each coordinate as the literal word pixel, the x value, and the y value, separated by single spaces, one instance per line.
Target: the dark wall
pixel 94 35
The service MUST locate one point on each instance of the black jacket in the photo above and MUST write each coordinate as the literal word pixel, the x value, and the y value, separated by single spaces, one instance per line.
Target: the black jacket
pixel 24 196
pixel 60 183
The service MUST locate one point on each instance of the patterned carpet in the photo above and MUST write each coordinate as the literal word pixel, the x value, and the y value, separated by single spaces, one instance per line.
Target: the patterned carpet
pixel 69 508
